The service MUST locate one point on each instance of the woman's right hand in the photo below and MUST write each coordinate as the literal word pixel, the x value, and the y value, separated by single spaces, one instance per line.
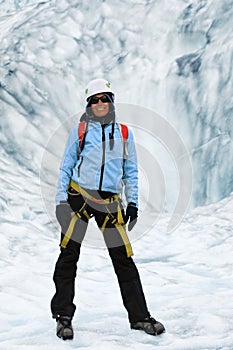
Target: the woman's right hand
pixel 63 215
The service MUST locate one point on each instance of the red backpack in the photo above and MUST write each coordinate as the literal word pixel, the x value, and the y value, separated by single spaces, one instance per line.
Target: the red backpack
pixel 82 126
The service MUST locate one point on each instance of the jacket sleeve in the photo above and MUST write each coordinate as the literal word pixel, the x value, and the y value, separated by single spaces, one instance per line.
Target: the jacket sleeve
pixel 130 176
pixel 69 160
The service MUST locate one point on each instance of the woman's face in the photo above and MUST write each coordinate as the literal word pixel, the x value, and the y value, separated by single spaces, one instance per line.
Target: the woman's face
pixel 100 109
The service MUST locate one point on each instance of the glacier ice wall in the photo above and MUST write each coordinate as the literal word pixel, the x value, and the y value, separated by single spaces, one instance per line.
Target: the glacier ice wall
pixel 202 98
pixel 171 57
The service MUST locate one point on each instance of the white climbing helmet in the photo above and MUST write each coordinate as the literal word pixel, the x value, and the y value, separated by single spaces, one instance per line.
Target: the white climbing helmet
pixel 98 86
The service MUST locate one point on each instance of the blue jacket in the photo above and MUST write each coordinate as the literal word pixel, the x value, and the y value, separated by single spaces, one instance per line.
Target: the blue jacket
pixel 98 167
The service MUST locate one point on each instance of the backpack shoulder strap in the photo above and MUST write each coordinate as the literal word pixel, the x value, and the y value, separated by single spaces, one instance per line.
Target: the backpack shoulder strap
pixel 82 126
pixel 124 134
pixel 124 131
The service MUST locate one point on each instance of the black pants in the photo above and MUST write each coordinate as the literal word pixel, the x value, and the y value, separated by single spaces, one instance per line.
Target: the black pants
pixel 125 268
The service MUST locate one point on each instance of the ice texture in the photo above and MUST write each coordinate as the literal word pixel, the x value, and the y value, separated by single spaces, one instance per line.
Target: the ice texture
pixel 171 57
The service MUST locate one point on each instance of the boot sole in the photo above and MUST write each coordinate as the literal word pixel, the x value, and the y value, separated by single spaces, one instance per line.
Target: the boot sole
pixel 158 331
pixel 65 337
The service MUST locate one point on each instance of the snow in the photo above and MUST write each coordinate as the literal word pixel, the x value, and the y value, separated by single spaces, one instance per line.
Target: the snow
pixel 170 64
pixel 187 278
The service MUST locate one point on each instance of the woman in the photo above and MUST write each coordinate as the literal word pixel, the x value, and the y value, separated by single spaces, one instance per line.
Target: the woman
pixel 99 160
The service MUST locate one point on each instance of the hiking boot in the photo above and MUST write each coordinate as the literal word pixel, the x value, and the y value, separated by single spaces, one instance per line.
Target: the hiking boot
pixel 64 327
pixel 149 325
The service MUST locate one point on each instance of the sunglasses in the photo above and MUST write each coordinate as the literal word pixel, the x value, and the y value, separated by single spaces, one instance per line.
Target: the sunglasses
pixel 94 100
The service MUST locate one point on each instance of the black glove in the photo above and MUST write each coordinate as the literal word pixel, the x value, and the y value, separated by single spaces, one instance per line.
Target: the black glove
pixel 63 214
pixel 131 215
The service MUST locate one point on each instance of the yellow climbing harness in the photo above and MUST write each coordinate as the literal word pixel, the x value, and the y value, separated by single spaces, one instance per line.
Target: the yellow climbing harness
pixel 118 221
pixel 86 195
pixel 74 219
pixel 120 226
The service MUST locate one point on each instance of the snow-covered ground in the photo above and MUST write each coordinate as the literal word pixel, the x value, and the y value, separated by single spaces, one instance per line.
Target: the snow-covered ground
pixel 174 58
pixel 187 278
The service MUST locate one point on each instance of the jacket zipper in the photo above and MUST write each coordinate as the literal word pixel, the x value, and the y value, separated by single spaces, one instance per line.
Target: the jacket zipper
pixel 103 158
